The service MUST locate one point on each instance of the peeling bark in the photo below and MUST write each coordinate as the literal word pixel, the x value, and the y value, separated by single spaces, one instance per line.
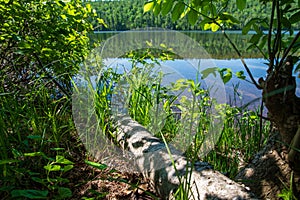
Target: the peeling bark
pixel 157 165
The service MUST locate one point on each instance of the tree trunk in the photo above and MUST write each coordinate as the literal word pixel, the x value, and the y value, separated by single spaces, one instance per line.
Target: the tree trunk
pixel 157 165
pixel 284 108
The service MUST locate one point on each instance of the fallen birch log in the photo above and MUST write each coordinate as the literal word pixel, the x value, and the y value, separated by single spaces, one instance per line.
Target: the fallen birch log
pixel 158 165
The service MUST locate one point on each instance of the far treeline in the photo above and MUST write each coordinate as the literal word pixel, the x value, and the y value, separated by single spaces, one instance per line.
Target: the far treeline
pixel 128 14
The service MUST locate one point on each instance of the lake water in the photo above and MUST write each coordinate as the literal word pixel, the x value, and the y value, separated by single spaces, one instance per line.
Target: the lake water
pixel 223 57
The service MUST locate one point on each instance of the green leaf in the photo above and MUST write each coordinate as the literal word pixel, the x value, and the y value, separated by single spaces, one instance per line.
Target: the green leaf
pixel 24 45
pixel 214 27
pixel 257 29
pixel 227 77
pixel 148 6
pixel 157 9
pixel 57 149
pixel 226 74
pixel 101 21
pixel 295 18
pixel 89 7
pixel 96 165
pixel 192 17
pixel 166 7
pixel 34 137
pixel 64 193
pixel 63 160
pixel 230 18
pixel 240 75
pixel 205 73
pixel 263 41
pixel 241 4
pixel 44 50
pixel 207 26
pixel 8 161
pixel 34 154
pixel 67 168
pixel 178 10
pixel 285 22
pixel 39 180
pixel 255 38
pixel 52 168
pixel 32 194
pixel 248 26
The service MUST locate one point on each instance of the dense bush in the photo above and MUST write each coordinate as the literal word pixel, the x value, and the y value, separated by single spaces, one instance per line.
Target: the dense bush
pixel 42 44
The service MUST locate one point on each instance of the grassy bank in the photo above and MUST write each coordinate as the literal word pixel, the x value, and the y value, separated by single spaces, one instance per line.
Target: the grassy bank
pixel 42 157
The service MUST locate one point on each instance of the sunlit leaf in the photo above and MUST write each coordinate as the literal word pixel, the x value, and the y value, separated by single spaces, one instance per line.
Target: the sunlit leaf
pixel 226 74
pixel 88 7
pixel 214 27
pixel 101 21
pixel 240 75
pixel 149 43
pixel 206 26
pixel 96 165
pixel 34 154
pixel 163 45
pixel 63 160
pixel 52 168
pixel 149 6
pixel 8 161
pixel 57 149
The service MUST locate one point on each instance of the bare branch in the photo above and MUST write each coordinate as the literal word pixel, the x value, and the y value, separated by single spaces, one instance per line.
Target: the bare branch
pixel 270 50
pixel 287 51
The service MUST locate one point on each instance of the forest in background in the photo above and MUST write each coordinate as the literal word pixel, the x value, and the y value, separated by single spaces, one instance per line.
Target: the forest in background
pixel 129 14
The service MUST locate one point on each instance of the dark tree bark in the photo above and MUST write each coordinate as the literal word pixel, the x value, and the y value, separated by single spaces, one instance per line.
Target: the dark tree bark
pixel 283 106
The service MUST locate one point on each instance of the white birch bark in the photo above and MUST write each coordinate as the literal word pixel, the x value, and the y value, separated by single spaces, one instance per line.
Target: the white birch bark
pixel 157 165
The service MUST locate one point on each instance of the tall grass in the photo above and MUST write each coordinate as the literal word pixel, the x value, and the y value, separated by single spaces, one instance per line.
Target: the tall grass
pixel 34 130
pixel 241 135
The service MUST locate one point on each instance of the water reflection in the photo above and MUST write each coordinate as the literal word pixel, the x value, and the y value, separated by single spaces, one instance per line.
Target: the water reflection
pixel 238 92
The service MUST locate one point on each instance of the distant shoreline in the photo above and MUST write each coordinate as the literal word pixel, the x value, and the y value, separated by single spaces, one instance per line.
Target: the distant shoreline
pixel 251 32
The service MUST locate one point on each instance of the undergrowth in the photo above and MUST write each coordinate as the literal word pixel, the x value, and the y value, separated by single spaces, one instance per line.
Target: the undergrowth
pixel 38 136
pixel 168 113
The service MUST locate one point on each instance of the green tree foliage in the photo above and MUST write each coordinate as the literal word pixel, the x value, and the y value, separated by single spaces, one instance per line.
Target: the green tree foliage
pixel 42 44
pixel 42 39
pixel 129 14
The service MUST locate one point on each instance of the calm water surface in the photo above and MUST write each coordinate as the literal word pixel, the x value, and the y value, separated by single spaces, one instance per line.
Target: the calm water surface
pixel 223 57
